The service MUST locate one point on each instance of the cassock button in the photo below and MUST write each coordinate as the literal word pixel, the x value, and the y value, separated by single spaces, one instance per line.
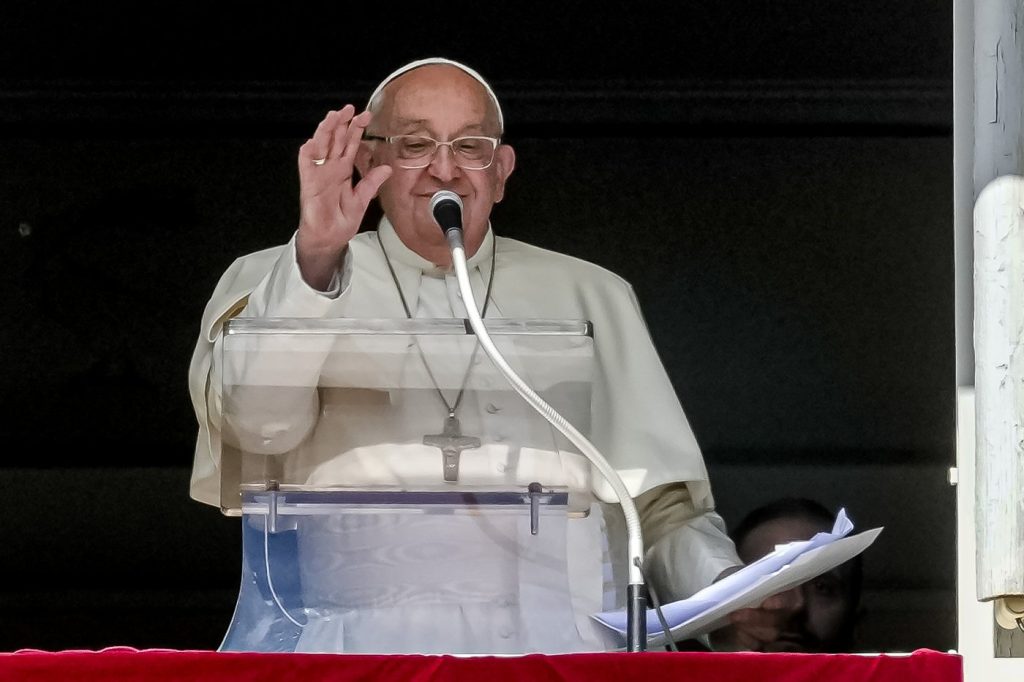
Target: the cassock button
pixel 492 408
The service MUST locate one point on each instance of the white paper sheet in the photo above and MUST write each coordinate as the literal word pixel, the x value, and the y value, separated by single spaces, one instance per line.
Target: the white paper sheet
pixel 786 567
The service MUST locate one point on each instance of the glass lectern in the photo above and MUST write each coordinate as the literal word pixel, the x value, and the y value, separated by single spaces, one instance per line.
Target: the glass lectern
pixel 396 494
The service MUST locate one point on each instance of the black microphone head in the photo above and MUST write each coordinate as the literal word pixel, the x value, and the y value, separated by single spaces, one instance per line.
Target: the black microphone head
pixel 446 207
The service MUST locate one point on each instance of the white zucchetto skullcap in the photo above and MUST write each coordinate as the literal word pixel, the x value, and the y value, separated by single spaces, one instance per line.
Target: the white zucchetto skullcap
pixel 441 60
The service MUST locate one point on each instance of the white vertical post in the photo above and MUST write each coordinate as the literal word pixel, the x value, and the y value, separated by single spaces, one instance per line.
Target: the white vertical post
pixel 987 90
pixel 999 385
pixel 999 296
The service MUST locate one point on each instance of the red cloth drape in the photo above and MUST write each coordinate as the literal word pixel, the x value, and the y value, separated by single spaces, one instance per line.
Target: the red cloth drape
pixel 127 665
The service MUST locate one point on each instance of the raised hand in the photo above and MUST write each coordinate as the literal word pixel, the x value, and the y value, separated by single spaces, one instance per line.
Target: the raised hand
pixel 331 207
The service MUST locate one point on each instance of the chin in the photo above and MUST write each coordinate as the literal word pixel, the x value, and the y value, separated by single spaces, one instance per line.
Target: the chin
pixel 475 233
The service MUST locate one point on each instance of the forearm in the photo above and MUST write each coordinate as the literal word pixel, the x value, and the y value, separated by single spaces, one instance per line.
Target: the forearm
pixel 687 546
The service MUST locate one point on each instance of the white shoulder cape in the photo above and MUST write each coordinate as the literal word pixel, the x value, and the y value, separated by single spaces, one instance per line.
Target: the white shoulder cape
pixel 637 420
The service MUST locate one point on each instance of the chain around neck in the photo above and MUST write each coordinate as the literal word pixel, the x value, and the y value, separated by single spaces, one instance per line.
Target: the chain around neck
pixel 401 295
pixel 408 313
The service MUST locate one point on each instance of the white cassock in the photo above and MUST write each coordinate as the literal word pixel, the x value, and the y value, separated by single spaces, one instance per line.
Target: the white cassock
pixel 636 421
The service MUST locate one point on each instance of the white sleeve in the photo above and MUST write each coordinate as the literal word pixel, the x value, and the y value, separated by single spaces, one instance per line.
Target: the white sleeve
pixel 275 405
pixel 283 292
pixel 687 547
pixel 255 285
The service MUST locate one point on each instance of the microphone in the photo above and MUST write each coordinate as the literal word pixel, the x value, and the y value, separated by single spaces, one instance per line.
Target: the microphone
pixel 446 207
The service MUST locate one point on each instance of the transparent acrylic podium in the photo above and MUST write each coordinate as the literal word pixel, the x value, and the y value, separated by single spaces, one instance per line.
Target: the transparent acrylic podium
pixel 371 522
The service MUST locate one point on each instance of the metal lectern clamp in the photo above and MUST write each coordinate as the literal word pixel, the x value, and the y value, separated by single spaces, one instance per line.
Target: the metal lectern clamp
pixel 535 491
pixel 273 489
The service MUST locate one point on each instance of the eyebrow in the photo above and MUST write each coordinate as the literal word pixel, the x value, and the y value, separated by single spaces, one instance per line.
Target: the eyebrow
pixel 410 121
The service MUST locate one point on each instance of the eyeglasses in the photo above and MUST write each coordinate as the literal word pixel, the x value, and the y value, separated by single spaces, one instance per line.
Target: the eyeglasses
pixel 471 152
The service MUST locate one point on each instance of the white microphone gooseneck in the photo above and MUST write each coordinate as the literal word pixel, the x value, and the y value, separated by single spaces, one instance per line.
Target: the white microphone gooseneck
pixel 446 207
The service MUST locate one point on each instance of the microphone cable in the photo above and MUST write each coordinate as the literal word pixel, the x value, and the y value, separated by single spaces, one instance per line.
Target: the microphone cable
pixel 636 612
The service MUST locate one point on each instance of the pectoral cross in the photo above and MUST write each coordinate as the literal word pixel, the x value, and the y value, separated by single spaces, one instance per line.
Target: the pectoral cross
pixel 452 443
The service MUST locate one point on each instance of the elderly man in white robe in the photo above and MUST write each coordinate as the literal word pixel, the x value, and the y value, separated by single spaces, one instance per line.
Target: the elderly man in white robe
pixel 436 125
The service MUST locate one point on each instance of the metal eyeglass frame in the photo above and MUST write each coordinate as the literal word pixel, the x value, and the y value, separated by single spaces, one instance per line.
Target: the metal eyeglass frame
pixel 429 158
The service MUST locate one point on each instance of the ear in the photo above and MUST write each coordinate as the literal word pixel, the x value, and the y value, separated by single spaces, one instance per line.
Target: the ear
pixel 504 164
pixel 364 158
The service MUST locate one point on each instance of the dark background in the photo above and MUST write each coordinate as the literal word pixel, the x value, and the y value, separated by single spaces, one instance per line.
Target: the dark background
pixel 775 178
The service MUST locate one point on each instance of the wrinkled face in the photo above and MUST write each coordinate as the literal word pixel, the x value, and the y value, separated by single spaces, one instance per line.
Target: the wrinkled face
pixel 823 606
pixel 441 102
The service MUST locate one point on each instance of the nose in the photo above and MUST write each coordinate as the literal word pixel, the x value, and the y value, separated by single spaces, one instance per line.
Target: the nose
pixel 795 598
pixel 791 600
pixel 442 166
pixel 802 595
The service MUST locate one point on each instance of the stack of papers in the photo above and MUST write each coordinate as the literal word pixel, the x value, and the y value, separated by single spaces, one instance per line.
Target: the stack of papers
pixel 783 569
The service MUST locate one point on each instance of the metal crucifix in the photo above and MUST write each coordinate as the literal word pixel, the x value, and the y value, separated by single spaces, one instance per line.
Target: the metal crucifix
pixel 452 443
